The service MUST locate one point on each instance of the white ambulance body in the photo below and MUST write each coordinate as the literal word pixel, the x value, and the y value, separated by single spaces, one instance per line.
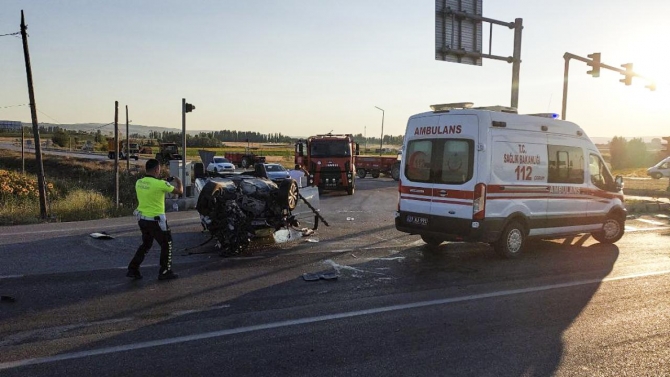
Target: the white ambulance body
pixel 491 175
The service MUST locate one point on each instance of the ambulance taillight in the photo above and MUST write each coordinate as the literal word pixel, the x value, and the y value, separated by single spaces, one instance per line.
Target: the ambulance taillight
pixel 479 202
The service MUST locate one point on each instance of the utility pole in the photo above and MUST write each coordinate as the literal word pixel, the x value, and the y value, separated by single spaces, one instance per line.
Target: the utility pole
pixel 36 131
pixel 116 154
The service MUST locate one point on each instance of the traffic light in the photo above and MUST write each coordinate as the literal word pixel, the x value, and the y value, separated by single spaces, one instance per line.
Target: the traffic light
pixel 595 64
pixel 189 108
pixel 628 79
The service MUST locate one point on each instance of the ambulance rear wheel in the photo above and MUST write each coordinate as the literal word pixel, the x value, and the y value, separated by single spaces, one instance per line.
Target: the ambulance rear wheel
pixel 511 241
pixel 611 232
pixel 360 173
pixel 431 241
pixel 375 174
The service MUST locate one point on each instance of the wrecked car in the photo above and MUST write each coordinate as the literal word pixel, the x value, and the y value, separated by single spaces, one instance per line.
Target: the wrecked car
pixel 237 208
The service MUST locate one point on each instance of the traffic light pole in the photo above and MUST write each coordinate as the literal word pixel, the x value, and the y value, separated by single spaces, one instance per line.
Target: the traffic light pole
pixel 627 72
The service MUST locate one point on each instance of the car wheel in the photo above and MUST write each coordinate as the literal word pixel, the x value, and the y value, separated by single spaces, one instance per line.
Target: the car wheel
pixel 611 232
pixel 511 242
pixel 360 173
pixel 244 163
pixel 288 193
pixel 657 175
pixel 431 240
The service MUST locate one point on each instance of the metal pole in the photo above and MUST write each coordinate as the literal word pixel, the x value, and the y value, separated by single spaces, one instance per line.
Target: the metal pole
pixel 516 63
pixel 127 144
pixel 23 157
pixel 116 154
pixel 36 131
pixel 381 142
pixel 564 107
pixel 183 141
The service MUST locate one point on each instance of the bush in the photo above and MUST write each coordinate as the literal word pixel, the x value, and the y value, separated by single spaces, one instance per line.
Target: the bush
pixel 82 205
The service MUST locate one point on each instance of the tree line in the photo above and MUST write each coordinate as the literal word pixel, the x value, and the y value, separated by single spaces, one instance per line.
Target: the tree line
pixel 632 153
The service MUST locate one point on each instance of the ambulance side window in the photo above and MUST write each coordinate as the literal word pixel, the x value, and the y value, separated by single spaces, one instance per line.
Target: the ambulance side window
pixel 566 164
pixel 417 167
pixel 599 174
pixel 455 166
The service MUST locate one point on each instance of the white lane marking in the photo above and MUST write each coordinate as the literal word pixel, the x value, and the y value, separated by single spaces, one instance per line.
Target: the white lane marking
pixel 130 224
pixel 653 222
pixel 309 320
pixel 11 277
pixel 191 311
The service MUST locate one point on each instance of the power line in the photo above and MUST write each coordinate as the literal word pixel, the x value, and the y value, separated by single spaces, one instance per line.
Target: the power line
pixel 6 35
pixel 48 116
pixel 6 107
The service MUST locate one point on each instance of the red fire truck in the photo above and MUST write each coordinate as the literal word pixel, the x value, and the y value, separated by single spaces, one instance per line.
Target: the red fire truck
pixel 330 161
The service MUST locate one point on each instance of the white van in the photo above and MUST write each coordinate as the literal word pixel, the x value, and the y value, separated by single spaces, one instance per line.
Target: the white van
pixel 660 170
pixel 490 175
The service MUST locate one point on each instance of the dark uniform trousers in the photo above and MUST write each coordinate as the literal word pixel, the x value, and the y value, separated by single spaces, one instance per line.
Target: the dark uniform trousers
pixel 151 231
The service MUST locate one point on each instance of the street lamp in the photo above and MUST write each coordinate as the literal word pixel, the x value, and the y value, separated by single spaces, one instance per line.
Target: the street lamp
pixel 382 138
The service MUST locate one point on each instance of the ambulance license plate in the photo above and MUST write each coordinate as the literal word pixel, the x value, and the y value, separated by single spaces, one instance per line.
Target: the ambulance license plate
pixel 416 220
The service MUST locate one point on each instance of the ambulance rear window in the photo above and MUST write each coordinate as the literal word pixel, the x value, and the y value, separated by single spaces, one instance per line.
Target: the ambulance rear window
pixel 448 161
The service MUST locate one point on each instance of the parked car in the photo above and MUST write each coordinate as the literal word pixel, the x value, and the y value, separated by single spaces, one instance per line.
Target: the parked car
pixel 276 172
pixel 220 165
pixel 660 170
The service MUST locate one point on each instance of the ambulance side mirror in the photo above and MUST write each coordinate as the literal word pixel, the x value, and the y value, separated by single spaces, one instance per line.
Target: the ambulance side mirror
pixel 618 181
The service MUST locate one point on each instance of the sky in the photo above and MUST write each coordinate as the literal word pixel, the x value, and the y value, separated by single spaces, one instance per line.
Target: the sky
pixel 303 67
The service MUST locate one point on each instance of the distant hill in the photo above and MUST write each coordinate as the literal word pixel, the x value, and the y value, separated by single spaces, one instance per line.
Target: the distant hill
pixel 108 129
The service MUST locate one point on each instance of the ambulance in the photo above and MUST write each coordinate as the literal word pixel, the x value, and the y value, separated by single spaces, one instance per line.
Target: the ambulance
pixel 488 174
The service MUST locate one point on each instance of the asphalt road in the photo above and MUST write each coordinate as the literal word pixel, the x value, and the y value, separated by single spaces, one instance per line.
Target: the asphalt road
pixel 569 307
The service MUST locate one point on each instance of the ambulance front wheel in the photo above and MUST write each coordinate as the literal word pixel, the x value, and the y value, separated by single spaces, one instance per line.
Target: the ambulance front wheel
pixel 611 232
pixel 511 241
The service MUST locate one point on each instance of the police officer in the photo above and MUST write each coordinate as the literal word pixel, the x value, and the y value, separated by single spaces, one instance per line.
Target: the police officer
pixel 150 215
